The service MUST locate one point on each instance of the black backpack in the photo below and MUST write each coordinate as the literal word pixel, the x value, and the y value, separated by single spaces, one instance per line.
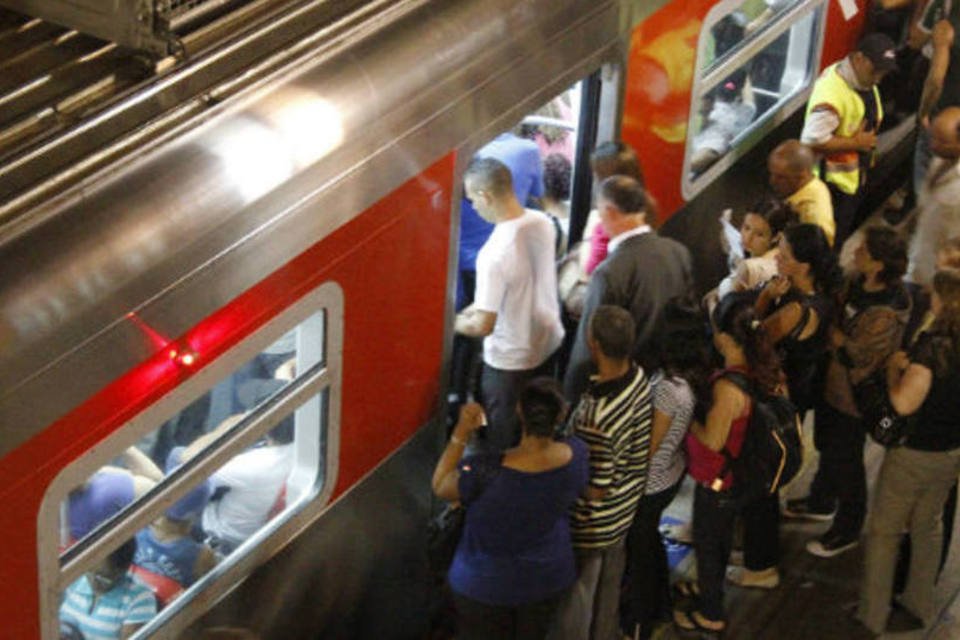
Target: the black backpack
pixel 772 451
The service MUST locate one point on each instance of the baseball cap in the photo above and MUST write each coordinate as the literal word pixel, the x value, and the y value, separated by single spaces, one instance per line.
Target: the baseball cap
pixel 880 50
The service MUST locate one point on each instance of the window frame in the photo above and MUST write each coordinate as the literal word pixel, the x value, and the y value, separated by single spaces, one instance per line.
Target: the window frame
pixel 748 49
pixel 320 384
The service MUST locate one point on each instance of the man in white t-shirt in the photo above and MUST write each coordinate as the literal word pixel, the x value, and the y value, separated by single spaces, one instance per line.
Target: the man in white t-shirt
pixel 515 307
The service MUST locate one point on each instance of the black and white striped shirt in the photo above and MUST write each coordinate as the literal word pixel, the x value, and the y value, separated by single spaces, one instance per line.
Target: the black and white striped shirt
pixel 613 418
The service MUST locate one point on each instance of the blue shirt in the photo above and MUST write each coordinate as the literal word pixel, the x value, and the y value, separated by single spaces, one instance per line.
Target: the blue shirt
pixel 173 559
pixel 130 602
pixel 522 157
pixel 516 545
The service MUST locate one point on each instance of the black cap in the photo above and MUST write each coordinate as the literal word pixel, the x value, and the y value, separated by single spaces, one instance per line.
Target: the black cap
pixel 880 50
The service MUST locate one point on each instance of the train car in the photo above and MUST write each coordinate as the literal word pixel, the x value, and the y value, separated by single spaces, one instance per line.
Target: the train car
pixel 267 232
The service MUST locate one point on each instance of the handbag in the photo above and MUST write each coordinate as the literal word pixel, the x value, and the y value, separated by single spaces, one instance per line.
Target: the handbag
pixel 443 535
pixel 887 427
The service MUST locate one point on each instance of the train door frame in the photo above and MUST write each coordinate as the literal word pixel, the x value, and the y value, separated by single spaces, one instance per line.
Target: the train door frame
pixel 320 383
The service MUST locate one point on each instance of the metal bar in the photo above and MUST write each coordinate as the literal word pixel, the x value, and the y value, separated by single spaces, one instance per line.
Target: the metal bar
pixel 581 194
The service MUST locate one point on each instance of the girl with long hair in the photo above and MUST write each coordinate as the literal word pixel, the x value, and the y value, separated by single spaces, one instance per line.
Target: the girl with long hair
pixel 916 478
pixel 797 308
pixel 684 361
pixel 745 346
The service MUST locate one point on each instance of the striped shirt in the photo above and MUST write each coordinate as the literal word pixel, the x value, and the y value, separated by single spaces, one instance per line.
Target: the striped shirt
pixel 673 397
pixel 613 418
pixel 129 602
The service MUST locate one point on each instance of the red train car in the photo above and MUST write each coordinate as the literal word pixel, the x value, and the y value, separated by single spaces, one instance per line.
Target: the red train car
pixel 284 249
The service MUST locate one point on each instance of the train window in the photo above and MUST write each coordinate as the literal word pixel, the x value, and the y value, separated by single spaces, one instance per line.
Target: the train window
pixel 757 58
pixel 177 502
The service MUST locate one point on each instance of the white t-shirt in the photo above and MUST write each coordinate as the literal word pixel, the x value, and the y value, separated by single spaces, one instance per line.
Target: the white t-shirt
pixel 517 280
pixel 254 480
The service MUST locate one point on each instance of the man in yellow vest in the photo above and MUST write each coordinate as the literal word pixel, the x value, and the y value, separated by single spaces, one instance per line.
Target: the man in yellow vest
pixel 843 117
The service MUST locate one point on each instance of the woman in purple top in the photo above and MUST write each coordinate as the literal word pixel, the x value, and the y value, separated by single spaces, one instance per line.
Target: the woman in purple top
pixel 515 559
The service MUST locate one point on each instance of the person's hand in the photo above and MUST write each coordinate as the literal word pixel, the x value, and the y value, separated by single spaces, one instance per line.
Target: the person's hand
pixel 472 418
pixel 777 286
pixel 942 35
pixel 898 361
pixel 865 139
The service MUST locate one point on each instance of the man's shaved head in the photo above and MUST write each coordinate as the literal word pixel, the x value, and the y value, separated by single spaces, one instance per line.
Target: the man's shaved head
pixel 945 133
pixel 790 166
pixel 795 155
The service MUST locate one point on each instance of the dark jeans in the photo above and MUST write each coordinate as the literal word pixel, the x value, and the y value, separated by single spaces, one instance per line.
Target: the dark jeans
pixel 500 390
pixel 846 213
pixel 714 514
pixel 647 595
pixel 479 621
pixel 841 479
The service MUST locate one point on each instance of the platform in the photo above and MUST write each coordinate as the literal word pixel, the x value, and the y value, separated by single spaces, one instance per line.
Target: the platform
pixel 815 596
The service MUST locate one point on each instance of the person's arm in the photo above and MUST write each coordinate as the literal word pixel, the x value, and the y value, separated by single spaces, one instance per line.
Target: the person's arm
pixel 933 86
pixel 908 383
pixel 206 439
pixel 128 630
pixel 658 429
pixel 475 323
pixel 862 140
pixel 728 405
pixel 601 462
pixel 140 465
pixel 775 288
pixel 446 476
pixel 206 560
pixel 479 319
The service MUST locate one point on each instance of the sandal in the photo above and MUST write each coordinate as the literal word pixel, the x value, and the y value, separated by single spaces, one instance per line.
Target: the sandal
pixel 686 589
pixel 688 626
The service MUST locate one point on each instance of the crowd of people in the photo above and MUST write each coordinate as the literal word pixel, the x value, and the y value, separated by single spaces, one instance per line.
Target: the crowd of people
pixel 594 405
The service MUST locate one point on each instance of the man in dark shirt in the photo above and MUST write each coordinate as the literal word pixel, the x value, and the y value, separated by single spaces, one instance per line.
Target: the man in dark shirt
pixel 641 273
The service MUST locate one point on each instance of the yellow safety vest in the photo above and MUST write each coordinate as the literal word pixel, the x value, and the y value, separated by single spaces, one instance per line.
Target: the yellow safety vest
pixel 843 168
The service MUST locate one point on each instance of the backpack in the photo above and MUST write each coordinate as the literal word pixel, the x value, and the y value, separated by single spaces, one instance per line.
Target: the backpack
pixel 772 451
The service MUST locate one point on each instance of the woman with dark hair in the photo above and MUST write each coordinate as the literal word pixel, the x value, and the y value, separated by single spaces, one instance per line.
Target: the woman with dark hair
pixel 759 236
pixel 797 307
pixel 515 559
pixel 608 159
pixel 915 478
pixel 874 311
pixel 684 361
pixel 746 348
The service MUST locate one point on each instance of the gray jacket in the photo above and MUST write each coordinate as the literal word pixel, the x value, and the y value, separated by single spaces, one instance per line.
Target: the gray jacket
pixel 642 275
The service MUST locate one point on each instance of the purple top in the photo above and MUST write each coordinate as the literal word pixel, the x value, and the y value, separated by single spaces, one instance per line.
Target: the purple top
pixel 107 492
pixel 516 545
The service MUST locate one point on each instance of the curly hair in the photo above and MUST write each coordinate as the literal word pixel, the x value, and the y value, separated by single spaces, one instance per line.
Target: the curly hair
pixel 556 176
pixel 736 317
pixel 885 245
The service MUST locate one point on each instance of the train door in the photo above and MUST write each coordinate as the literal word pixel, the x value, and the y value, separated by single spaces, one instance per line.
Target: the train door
pixel 548 153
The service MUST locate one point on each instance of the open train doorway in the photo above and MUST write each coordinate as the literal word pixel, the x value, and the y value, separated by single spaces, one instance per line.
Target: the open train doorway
pixel 547 153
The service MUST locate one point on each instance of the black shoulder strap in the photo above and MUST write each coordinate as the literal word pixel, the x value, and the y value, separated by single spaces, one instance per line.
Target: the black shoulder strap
pixel 740 379
pixel 804 318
